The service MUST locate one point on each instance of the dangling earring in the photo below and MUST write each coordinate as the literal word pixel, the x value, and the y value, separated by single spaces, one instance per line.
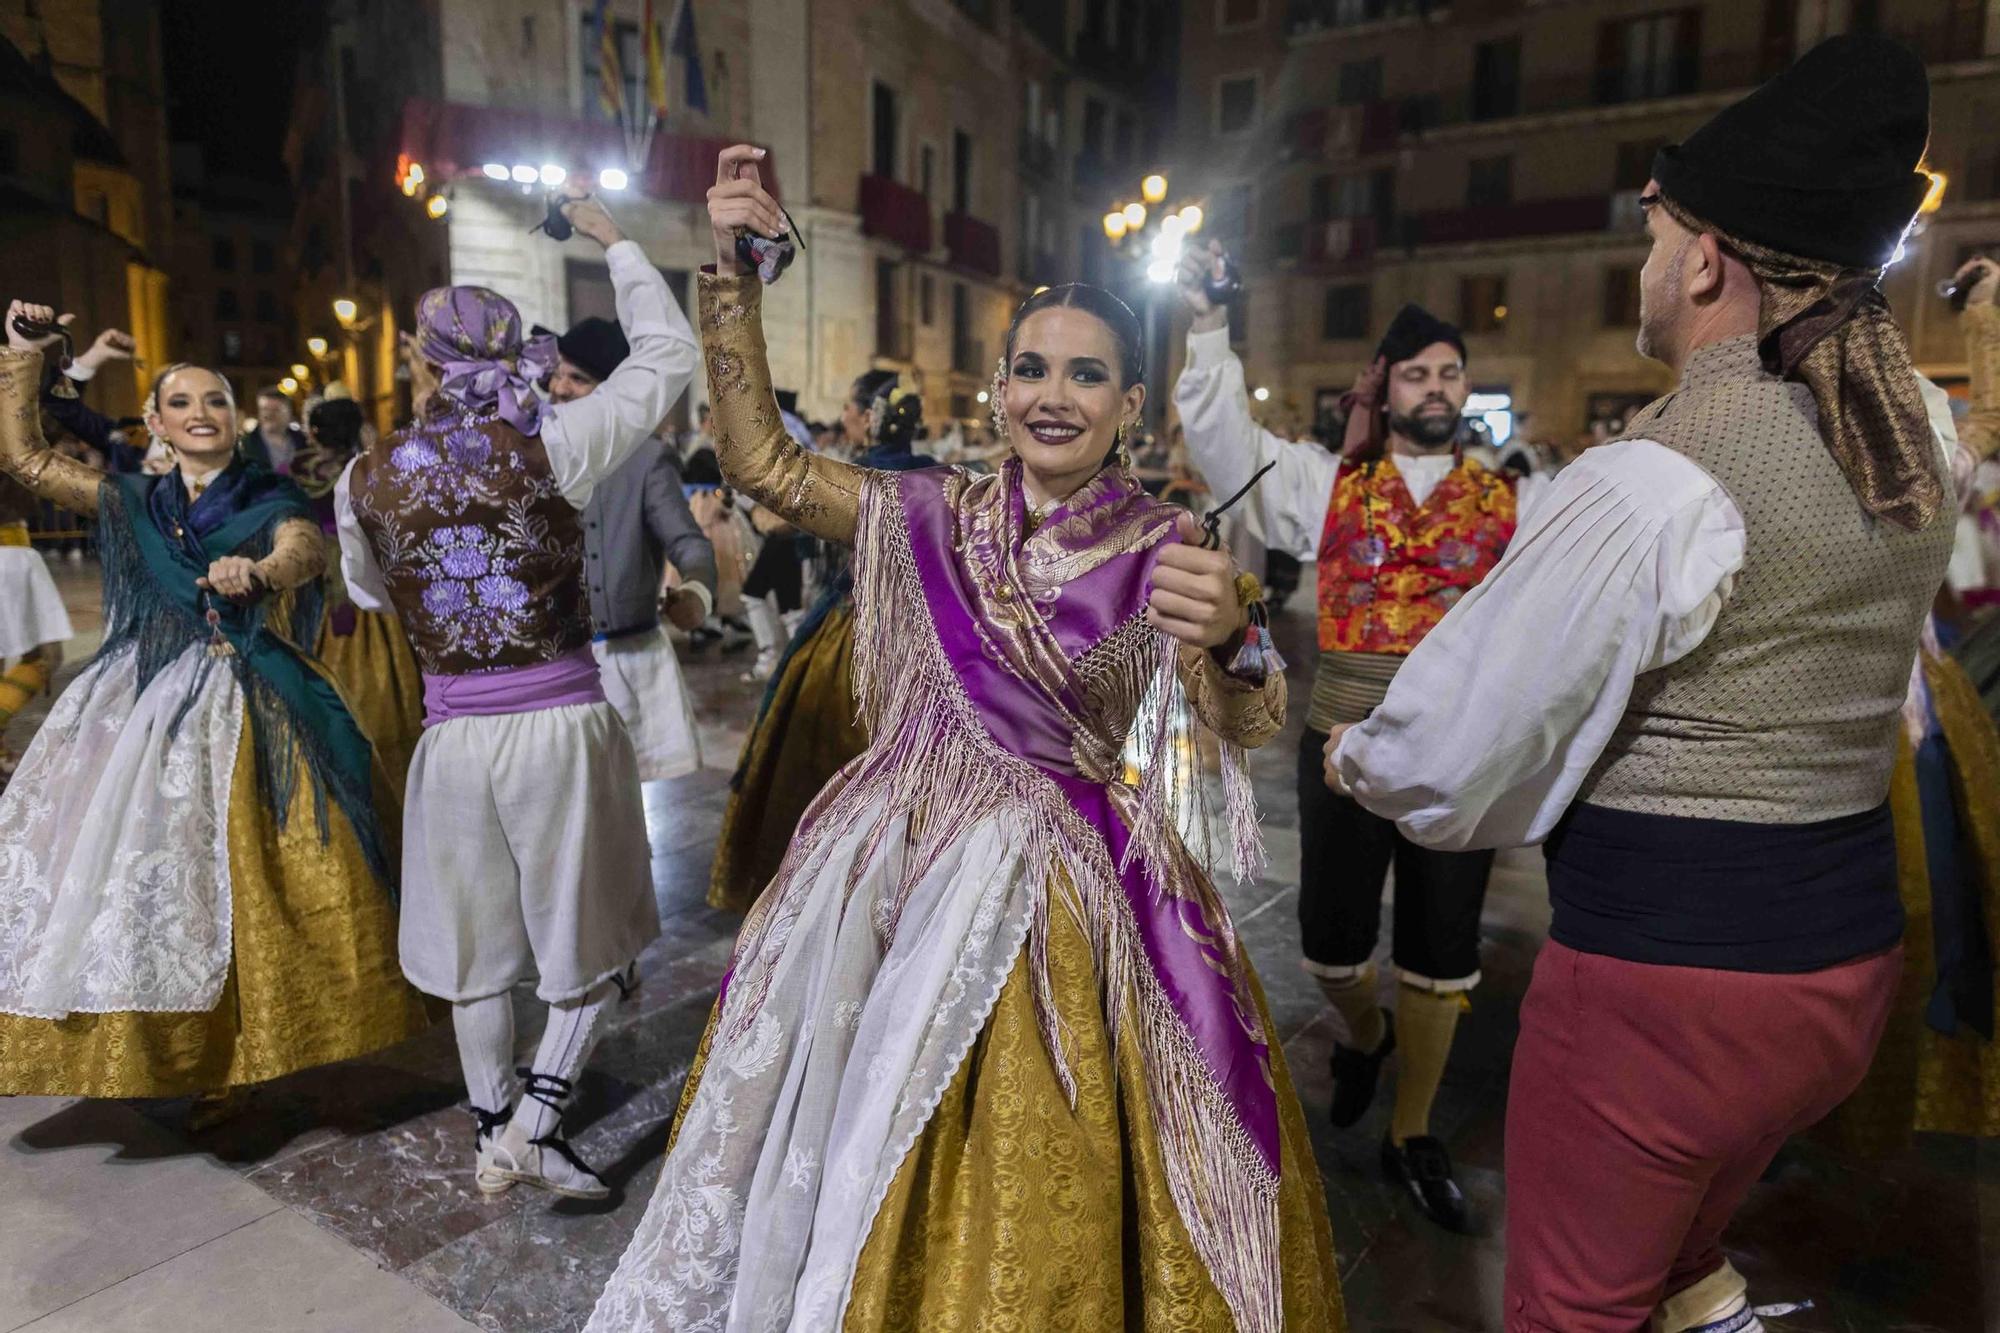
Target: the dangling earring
pixel 1119 449
pixel 993 391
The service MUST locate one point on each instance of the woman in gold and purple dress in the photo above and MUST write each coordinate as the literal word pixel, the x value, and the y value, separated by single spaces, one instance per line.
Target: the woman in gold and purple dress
pixel 990 1054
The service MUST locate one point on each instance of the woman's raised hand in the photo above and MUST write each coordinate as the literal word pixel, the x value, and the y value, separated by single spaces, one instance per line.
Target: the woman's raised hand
pixel 1194 590
pixel 738 202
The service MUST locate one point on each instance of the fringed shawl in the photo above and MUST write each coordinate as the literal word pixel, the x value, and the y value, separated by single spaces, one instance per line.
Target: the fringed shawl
pixel 156 546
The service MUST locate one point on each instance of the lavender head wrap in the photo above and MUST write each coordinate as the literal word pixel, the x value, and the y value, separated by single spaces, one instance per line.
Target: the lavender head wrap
pixel 473 335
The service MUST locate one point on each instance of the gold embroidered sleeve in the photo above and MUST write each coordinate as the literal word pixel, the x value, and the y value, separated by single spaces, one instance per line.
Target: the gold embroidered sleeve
pixel 820 495
pixel 25 453
pixel 1233 709
pixel 298 555
pixel 1979 429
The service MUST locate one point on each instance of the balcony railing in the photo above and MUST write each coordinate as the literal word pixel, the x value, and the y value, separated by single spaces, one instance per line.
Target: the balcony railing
pixel 895 212
pixel 972 244
pixel 1507 222
pixel 1311 16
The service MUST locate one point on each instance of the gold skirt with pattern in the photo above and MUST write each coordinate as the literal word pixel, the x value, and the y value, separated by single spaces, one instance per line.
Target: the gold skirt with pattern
pixel 313 975
pixel 1013 1213
pixel 808 734
pixel 383 687
pixel 1922 1080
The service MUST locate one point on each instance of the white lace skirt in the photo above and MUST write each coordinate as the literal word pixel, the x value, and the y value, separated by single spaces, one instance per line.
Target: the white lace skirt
pixel 114 846
pixel 805 1111
pixel 31 610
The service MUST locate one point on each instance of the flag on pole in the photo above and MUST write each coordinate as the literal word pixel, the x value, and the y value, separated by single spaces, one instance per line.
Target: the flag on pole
pixel 610 78
pixel 688 49
pixel 656 66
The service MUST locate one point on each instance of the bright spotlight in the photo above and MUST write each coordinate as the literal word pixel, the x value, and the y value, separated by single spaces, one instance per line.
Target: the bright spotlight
pixel 526 175
pixel 1160 270
pixel 494 171
pixel 1172 225
pixel 611 178
pixel 553 175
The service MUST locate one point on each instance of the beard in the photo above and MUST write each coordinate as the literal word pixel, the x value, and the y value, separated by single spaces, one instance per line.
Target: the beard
pixel 1427 430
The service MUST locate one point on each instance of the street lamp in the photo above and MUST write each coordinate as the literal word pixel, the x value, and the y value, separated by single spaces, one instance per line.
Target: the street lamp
pixel 437 206
pixel 1135 216
pixel 317 346
pixel 1114 224
pixel 300 373
pixel 288 384
pixel 346 311
pixel 1153 189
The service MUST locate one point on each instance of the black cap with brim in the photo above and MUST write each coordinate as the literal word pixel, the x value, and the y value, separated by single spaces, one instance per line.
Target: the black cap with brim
pixel 596 346
pixel 1821 162
pixel 1412 330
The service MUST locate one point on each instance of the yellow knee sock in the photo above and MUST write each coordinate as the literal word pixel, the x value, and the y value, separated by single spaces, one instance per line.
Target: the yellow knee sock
pixel 22 683
pixel 1425 1022
pixel 1353 998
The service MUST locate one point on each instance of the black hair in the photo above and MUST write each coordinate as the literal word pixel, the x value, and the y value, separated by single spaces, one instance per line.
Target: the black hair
pixel 894 423
pixel 1114 313
pixel 870 385
pixel 336 424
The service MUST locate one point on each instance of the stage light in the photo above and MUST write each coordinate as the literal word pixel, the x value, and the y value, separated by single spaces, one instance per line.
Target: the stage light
pixel 611 178
pixel 494 171
pixel 526 175
pixel 553 175
pixel 1160 270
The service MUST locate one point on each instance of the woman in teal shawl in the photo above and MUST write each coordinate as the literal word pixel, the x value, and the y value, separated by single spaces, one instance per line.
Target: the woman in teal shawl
pixel 195 889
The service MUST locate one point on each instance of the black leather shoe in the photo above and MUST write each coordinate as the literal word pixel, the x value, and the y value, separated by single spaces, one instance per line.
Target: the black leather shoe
pixel 1423 1167
pixel 1355 1074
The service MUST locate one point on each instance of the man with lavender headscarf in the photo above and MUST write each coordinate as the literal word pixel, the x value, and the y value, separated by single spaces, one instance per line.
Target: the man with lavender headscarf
pixel 525 854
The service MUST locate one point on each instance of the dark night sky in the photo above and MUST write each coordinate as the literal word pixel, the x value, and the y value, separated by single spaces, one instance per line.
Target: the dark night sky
pixel 230 66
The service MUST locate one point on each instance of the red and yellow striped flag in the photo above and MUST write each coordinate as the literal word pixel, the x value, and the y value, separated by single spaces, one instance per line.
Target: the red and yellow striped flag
pixel 656 64
pixel 610 78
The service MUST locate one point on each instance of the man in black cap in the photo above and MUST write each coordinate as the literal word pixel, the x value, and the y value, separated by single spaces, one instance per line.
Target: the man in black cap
pixel 637 519
pixel 1689 671
pixel 1402 523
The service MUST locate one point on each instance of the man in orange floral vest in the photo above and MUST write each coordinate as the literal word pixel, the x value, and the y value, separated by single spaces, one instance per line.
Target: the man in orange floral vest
pixel 1402 524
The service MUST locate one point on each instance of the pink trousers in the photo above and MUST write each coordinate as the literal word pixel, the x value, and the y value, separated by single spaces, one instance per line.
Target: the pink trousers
pixel 1644 1103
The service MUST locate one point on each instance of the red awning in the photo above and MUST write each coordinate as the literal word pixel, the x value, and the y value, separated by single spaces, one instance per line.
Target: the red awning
pixel 454 139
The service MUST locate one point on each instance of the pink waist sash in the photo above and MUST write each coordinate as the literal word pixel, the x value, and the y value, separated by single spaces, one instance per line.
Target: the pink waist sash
pixel 569 679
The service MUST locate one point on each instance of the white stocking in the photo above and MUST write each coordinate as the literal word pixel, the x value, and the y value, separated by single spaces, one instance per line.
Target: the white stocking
pixel 485 1030
pixel 566 1044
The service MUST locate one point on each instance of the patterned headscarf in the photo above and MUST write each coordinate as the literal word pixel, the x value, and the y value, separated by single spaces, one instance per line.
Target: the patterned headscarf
pixel 473 336
pixel 1829 327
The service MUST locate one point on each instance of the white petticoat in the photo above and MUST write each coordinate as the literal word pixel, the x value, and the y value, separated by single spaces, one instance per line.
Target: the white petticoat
pixel 642 680
pixel 31 610
pixel 114 846
pixel 804 1114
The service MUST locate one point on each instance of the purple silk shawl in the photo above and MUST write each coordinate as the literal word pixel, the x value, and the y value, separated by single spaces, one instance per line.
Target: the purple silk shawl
pixel 1086 573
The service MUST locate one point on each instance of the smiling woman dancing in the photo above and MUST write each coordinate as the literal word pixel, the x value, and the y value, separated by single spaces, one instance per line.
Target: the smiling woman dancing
pixel 193 886
pixel 990 1054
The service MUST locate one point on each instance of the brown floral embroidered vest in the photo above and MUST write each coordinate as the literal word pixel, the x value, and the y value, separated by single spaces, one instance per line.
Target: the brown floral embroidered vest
pixel 482 555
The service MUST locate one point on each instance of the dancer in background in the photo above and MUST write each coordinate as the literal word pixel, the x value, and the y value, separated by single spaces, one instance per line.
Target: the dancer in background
pixel 524 853
pixel 33 624
pixel 196 885
pixel 367 651
pixel 1687 675
pixel 636 522
pixel 806 728
pixel 1402 525
pixel 990 1053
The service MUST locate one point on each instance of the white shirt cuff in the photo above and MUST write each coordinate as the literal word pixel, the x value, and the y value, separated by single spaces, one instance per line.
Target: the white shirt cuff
pixel 82 374
pixel 1207 347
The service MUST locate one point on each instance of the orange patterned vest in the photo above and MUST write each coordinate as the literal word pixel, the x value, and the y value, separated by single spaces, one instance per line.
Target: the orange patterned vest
pixel 1390 568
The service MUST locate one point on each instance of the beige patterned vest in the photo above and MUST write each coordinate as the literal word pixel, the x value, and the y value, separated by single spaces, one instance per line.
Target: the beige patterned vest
pixel 1786 713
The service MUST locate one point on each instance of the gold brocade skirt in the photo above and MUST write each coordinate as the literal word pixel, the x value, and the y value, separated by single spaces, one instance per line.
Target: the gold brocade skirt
pixel 1922 1080
pixel 1014 1214
pixel 379 678
pixel 313 975
pixel 808 734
